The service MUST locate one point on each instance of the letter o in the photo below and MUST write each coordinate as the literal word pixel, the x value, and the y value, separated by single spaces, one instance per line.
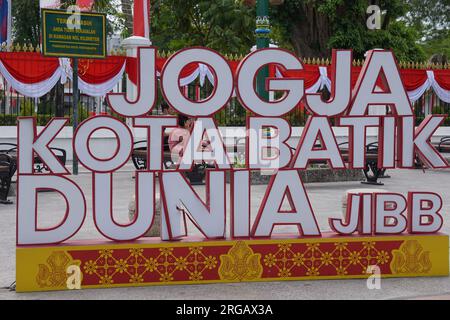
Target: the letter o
pixel 223 87
pixel 123 150
pixel 246 75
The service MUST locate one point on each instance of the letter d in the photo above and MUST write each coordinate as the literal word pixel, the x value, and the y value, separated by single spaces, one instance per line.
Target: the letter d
pixel 28 232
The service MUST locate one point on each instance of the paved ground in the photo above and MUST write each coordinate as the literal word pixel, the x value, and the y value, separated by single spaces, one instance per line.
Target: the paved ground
pixel 326 201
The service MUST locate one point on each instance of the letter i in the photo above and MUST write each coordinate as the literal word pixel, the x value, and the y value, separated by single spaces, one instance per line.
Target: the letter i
pixel 365 225
pixel 240 204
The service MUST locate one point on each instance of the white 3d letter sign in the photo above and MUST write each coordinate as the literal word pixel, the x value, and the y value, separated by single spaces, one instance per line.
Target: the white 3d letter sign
pixel 269 147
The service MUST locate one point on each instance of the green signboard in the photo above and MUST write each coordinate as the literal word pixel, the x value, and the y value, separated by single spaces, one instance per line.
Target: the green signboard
pixel 77 35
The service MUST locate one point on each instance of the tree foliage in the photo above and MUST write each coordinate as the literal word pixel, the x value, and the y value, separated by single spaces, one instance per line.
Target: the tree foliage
pixel 438 47
pixel 314 27
pixel 224 25
pixel 430 17
pixel 413 29
pixel 26 21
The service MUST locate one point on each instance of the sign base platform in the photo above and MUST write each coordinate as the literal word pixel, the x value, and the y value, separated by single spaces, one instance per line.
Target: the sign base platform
pixel 194 261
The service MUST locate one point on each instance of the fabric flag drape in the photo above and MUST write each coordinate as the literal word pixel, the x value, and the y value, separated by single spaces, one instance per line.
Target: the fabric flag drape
pixel 188 75
pixel 34 75
pixel 30 74
pixel 85 5
pixel 5 21
pixel 315 77
pixel 96 77
pixel 141 18
pixel 416 82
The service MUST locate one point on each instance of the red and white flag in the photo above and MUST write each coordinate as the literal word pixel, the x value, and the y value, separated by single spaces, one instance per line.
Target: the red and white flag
pixel 141 19
pixel 50 4
pixel 85 5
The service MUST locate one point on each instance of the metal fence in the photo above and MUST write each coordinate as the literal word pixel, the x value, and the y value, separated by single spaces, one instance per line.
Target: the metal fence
pixel 58 103
pixel 430 103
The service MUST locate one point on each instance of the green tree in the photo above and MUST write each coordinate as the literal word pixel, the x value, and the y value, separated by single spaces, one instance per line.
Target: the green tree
pixel 127 13
pixel 414 29
pixel 26 21
pixel 314 27
pixel 224 25
pixel 439 46
pixel 430 17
